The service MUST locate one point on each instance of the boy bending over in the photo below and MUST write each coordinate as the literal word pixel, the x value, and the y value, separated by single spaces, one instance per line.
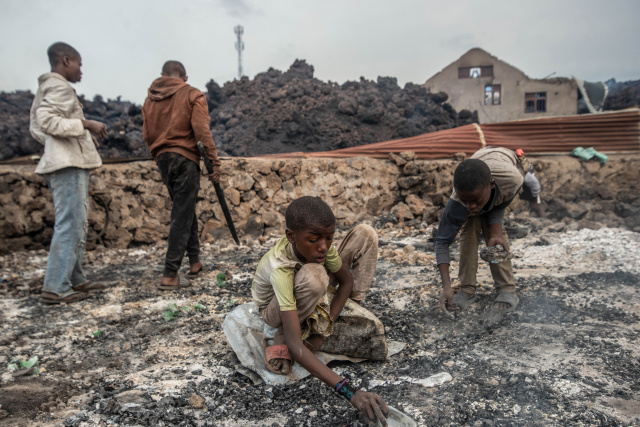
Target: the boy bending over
pixel 484 187
pixel 290 288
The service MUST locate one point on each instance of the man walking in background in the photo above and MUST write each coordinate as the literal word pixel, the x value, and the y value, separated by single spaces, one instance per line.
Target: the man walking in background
pixel 176 117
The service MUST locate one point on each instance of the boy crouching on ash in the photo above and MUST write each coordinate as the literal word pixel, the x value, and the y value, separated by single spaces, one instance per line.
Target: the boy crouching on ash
pixel 290 288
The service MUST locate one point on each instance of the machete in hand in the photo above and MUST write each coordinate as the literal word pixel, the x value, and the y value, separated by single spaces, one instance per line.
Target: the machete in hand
pixel 219 193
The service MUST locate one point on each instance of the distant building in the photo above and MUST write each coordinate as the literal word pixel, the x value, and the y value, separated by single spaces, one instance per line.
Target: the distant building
pixel 499 92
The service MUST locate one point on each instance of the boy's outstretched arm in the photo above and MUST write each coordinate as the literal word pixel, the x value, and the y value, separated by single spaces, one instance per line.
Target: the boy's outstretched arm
pixel 454 215
pixel 368 403
pixel 446 298
pixel 345 287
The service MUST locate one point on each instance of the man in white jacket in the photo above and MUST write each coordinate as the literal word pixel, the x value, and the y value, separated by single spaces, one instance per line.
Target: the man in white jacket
pixel 57 122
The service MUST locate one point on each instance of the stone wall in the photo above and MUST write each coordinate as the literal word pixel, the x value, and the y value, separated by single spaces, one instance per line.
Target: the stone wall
pixel 259 190
pixel 591 194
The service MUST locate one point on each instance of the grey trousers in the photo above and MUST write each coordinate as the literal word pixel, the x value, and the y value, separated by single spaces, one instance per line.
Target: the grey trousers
pixel 502 273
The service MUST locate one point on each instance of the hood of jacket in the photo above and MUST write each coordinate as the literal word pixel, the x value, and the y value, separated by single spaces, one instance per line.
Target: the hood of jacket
pixel 165 87
pixel 46 76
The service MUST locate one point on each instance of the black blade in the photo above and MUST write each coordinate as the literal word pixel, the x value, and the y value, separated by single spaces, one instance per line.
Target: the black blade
pixel 220 194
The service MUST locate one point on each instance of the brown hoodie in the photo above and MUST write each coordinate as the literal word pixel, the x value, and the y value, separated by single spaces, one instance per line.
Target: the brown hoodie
pixel 176 117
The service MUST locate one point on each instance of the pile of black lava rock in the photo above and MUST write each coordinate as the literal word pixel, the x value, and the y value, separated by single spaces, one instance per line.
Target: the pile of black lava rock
pixel 293 111
pixel 276 112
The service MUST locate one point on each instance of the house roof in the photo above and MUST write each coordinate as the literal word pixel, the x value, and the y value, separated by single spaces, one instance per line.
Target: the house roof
pixel 479 51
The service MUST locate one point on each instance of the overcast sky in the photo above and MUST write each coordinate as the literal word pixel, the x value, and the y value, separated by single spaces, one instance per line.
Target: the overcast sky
pixel 124 43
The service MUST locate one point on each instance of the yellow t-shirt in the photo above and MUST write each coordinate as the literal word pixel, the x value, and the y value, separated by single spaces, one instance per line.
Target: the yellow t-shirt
pixel 276 271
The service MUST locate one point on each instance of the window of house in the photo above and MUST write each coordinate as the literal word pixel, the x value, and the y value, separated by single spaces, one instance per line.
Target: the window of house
pixel 535 102
pixel 475 72
pixel 492 94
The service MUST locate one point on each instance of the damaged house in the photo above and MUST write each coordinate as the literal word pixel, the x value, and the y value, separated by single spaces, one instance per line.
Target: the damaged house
pixel 499 92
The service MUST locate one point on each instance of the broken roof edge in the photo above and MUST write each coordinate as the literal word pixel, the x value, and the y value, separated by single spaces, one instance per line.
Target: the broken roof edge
pixel 587 90
pixel 630 110
pixel 470 51
pixel 481 50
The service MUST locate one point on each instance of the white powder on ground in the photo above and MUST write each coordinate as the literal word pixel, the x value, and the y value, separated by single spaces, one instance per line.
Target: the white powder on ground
pixel 603 250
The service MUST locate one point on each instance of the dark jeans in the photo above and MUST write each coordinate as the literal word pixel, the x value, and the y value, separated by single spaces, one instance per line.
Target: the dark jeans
pixel 182 178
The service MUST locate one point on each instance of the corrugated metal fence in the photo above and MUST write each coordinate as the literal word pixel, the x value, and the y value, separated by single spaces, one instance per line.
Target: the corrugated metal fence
pixel 608 132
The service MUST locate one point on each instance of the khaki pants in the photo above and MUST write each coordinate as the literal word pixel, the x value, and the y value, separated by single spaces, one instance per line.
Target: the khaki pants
pixel 358 251
pixel 502 273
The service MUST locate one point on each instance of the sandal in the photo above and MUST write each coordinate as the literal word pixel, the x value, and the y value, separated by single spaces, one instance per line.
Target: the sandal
pixel 463 300
pixel 88 286
pixel 510 298
pixel 67 297
pixel 182 283
pixel 280 351
pixel 193 274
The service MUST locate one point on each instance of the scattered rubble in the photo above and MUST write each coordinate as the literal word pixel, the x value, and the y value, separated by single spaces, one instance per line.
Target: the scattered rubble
pixel 494 254
pixel 622 95
pixel 566 356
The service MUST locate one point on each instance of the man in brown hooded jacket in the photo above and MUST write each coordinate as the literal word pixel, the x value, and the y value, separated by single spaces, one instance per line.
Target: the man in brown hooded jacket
pixel 176 117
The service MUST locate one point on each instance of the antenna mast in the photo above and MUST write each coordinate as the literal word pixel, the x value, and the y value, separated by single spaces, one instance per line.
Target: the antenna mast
pixel 239 47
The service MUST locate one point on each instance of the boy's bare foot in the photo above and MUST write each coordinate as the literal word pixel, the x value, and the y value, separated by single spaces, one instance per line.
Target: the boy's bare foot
pixel 172 283
pixel 461 301
pixel 506 302
pixel 314 342
pixel 195 268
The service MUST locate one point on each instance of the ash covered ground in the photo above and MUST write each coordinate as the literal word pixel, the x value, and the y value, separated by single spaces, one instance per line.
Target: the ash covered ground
pixel 567 356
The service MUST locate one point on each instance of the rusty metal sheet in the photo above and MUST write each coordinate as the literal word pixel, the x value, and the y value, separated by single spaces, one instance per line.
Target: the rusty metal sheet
pixel 617 131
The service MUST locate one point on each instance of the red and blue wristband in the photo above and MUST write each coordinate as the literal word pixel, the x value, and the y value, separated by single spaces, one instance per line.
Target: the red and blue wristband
pixel 345 390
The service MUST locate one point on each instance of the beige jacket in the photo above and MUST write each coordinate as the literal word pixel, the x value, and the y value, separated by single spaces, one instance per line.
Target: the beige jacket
pixel 56 122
